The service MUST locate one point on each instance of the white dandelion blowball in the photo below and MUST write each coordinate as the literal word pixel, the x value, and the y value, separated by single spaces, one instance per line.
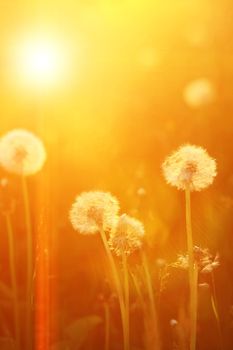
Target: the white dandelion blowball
pixel 189 167
pixel 198 93
pixel 93 211
pixel 22 152
pixel 127 235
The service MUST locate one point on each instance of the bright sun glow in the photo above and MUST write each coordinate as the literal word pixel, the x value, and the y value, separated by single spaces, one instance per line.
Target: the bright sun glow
pixel 41 62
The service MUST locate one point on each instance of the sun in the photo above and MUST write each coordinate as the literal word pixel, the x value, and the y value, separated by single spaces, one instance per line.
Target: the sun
pixel 40 61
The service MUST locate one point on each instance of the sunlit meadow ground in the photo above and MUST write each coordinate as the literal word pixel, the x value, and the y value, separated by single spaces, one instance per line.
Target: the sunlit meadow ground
pixel 107 124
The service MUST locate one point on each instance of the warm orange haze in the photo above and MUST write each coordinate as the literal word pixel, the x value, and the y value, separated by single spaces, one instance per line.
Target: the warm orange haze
pixel 116 183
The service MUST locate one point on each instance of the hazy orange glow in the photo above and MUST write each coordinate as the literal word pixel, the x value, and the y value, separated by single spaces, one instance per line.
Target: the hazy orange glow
pixel 102 84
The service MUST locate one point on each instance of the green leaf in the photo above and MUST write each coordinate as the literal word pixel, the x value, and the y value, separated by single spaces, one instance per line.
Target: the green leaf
pixel 77 332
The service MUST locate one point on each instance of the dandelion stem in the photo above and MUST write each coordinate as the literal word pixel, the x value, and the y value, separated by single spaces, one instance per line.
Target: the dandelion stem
pixel 107 326
pixel 193 272
pixel 215 309
pixel 13 279
pixel 144 310
pixel 138 290
pixel 118 287
pixel 162 274
pixel 126 290
pixel 29 260
pixel 151 299
pixel 194 305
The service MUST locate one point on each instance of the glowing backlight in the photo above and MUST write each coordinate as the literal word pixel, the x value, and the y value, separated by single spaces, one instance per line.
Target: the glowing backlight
pixel 41 61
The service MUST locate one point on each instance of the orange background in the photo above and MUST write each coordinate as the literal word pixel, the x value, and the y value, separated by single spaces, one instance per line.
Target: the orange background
pixel 109 122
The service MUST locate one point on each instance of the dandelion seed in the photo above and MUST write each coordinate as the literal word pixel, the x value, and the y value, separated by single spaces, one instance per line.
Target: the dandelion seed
pixel 189 167
pixel 199 93
pixel 127 236
pixel 94 211
pixel 22 152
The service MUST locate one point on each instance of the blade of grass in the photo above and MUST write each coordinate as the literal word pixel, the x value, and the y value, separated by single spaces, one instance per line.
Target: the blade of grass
pixel 118 287
pixel 150 291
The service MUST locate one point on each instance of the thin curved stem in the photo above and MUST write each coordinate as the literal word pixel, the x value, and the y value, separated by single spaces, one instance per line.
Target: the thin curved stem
pixel 151 299
pixel 215 309
pixel 192 271
pixel 194 305
pixel 29 260
pixel 162 274
pixel 144 310
pixel 189 234
pixel 126 290
pixel 138 291
pixel 118 287
pixel 13 279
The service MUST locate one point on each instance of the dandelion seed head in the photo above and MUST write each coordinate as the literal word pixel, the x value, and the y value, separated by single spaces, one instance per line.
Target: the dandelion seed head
pixel 205 262
pixel 182 262
pixel 199 93
pixel 22 152
pixel 93 211
pixel 127 235
pixel 189 167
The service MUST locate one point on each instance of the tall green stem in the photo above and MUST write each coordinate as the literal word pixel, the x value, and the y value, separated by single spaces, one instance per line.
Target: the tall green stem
pixel 118 287
pixel 192 272
pixel 29 261
pixel 126 290
pixel 152 300
pixel 13 279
